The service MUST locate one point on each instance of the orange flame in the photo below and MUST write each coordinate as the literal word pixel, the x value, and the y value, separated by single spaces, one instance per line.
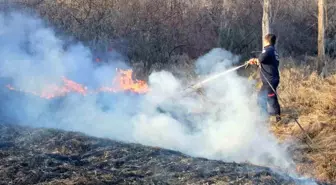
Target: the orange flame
pixel 121 83
pixel 125 82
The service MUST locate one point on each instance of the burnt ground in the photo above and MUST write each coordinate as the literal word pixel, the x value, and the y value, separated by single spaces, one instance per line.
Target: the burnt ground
pixel 49 156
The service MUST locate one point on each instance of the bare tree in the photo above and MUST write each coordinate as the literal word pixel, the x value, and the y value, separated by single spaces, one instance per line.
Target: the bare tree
pixel 321 33
pixel 155 32
pixel 266 28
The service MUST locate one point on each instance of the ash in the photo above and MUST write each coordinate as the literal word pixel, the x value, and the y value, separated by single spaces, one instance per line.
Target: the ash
pixel 50 156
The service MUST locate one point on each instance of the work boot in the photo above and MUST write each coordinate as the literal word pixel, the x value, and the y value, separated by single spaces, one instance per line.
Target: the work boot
pixel 275 119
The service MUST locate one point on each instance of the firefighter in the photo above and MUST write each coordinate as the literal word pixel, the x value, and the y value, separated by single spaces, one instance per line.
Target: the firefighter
pixel 268 62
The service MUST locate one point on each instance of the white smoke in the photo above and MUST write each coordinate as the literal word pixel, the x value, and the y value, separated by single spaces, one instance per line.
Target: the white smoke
pixel 228 128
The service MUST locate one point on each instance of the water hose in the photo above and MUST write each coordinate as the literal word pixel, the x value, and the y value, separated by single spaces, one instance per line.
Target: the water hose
pixel 295 119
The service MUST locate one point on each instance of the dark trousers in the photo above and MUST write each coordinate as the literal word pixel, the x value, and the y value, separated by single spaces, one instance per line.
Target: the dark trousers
pixel 267 95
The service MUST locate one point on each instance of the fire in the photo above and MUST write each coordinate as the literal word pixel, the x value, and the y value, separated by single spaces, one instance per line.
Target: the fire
pixel 74 87
pixel 125 81
pixel 121 83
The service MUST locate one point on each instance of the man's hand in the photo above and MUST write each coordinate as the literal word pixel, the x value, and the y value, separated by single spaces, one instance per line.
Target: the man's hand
pixel 253 61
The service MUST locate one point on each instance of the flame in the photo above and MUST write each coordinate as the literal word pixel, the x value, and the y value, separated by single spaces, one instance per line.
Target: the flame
pixel 123 82
pixel 74 87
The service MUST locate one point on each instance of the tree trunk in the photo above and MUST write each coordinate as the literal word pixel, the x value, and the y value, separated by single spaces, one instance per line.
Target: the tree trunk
pixel 266 28
pixel 321 40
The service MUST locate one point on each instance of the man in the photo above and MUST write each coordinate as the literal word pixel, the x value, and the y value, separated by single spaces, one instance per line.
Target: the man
pixel 268 62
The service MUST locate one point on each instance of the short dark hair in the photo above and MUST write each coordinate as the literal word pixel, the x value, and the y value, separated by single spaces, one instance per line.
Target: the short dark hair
pixel 271 38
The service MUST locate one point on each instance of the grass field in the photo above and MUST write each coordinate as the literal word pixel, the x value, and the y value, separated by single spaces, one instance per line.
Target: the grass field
pixel 312 100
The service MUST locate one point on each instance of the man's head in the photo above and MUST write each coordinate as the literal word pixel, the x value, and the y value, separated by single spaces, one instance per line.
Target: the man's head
pixel 269 39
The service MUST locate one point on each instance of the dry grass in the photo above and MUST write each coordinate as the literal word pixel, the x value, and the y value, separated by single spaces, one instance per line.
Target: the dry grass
pixel 313 100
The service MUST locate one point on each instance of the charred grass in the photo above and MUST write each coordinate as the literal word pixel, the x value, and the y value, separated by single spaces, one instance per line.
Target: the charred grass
pixel 48 156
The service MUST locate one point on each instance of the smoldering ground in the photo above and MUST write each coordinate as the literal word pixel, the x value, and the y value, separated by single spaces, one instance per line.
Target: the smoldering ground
pixel 228 126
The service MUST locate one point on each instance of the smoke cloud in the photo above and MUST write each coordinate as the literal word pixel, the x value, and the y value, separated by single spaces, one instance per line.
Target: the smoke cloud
pixel 228 126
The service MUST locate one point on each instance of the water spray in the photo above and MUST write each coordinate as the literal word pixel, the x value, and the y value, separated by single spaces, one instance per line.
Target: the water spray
pixel 213 77
pixel 199 84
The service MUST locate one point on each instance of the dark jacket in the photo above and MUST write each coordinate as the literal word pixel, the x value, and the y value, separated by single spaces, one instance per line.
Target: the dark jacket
pixel 269 64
